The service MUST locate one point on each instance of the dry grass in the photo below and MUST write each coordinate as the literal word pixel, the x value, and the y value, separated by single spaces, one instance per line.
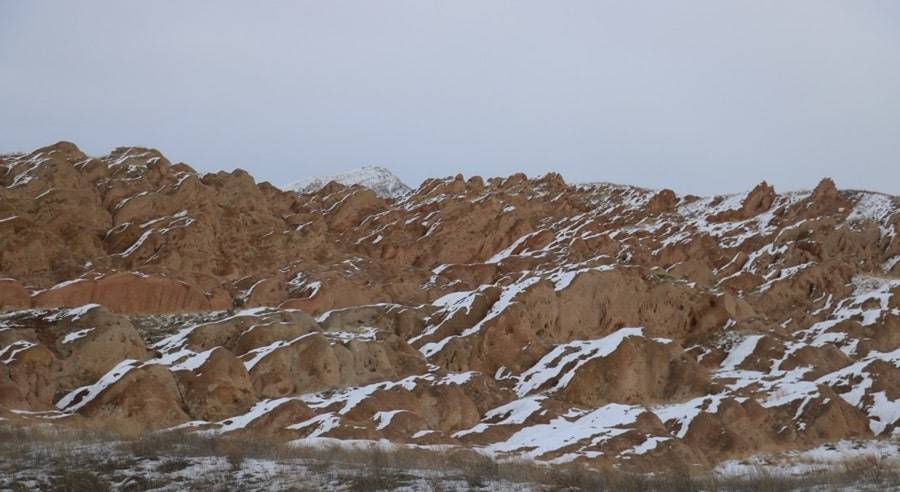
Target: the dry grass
pixel 81 460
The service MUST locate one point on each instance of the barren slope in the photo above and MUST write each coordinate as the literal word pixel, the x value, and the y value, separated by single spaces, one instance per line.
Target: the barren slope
pixel 526 317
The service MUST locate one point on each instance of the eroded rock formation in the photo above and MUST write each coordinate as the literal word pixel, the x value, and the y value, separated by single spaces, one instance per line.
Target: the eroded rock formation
pixel 529 317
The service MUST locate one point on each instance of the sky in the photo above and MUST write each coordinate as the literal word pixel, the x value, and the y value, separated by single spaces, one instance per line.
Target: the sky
pixel 702 97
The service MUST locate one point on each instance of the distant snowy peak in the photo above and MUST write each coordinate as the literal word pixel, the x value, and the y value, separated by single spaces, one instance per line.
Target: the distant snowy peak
pixel 378 179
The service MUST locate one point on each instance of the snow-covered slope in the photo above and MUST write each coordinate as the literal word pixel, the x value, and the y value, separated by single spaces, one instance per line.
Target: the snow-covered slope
pixel 378 179
pixel 605 324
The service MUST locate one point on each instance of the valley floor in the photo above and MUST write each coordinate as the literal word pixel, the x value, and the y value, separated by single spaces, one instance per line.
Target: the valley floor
pixel 51 459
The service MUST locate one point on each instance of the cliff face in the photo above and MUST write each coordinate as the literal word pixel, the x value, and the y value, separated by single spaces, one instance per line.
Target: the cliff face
pixel 524 316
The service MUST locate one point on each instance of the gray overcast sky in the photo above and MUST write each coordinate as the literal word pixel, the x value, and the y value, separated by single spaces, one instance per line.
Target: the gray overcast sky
pixel 698 96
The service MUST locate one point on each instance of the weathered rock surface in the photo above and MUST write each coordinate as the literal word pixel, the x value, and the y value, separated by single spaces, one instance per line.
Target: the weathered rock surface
pixel 597 323
pixel 218 388
pixel 144 397
pixel 13 295
pixel 126 293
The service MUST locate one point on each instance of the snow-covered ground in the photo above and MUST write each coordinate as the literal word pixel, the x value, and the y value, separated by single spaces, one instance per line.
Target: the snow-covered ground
pixel 819 459
pixel 170 462
pixel 378 179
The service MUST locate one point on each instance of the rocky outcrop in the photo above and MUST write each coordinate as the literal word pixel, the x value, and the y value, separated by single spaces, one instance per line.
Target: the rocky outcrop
pixel 218 388
pixel 28 376
pixel 603 324
pixel 663 201
pixel 638 371
pixel 316 362
pixel 13 295
pixel 92 342
pixel 759 200
pixel 127 293
pixel 144 398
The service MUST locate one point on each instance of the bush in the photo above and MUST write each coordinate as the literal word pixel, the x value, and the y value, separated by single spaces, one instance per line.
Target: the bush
pixel 78 481
pixel 576 478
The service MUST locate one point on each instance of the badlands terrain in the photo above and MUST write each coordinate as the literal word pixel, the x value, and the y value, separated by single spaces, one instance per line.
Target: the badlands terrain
pixel 598 325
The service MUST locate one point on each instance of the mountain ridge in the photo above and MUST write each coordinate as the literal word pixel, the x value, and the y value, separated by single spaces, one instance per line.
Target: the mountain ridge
pixel 377 178
pixel 523 317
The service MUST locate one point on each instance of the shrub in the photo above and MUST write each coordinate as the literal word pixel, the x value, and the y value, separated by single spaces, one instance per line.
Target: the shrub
pixel 78 481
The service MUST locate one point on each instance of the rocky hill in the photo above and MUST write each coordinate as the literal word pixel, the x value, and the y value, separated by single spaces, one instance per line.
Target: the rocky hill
pixel 602 324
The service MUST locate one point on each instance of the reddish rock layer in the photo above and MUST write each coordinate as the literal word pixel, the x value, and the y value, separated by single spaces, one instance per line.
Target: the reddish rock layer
pixel 599 323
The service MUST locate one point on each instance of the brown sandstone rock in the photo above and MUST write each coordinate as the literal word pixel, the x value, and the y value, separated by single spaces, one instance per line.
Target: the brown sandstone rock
pixel 93 343
pixel 289 412
pixel 638 371
pixel 217 389
pixel 733 430
pixel 445 406
pixel 29 374
pixel 267 292
pixel 477 276
pixel 145 398
pixel 759 200
pixel 664 201
pixel 244 331
pixel 127 293
pixel 13 295
pixel 314 362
